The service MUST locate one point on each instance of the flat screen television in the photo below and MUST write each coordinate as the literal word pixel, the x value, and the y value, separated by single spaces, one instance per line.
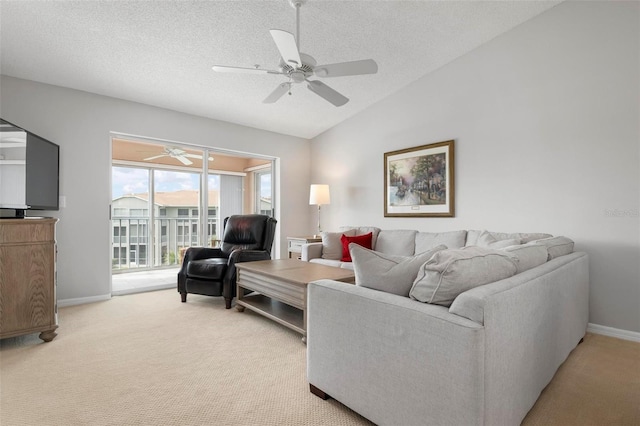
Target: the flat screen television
pixel 29 171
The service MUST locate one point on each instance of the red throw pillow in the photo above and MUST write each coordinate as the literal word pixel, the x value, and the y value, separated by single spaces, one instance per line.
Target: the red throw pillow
pixel 362 240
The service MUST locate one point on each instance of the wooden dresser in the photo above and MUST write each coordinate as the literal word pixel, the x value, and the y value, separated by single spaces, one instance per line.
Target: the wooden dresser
pixel 28 301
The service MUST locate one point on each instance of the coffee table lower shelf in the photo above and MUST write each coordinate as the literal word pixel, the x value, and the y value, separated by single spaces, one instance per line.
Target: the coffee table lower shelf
pixel 275 310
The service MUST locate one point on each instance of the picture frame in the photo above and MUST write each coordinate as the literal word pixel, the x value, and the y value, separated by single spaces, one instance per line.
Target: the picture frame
pixel 420 181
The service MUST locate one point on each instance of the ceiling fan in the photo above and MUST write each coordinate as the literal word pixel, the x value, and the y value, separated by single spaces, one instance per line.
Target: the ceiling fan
pixel 179 154
pixel 299 67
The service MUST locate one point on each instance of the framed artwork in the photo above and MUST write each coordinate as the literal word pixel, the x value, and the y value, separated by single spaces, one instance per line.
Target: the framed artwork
pixel 419 181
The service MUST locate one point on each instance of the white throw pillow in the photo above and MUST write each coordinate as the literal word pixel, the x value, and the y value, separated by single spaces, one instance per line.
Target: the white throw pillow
pixel 331 244
pixel 386 272
pixel 451 272
pixel 556 246
pixel 528 255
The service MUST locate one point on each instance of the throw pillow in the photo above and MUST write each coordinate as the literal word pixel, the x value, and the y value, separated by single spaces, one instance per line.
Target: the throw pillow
pixel 386 272
pixel 331 244
pixel 556 246
pixel 528 255
pixel 486 239
pixel 451 272
pixel 362 240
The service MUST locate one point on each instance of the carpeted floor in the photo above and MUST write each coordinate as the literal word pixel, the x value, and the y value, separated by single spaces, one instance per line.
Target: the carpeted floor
pixel 147 359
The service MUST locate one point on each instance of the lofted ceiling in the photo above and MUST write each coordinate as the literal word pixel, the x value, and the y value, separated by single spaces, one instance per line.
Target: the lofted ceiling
pixel 161 52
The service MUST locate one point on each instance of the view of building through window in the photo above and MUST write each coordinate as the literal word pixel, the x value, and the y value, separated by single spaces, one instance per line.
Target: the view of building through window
pixel 142 239
pixel 158 192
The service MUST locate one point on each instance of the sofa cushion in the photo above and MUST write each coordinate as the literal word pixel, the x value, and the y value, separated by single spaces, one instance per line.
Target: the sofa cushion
pixel 385 272
pixel 556 246
pixel 486 239
pixel 428 240
pixel 361 240
pixel 333 263
pixel 451 272
pixel 528 255
pixel 472 236
pixel 398 242
pixel 331 244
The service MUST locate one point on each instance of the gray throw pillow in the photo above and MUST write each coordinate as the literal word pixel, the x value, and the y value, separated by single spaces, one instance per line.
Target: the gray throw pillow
pixel 331 244
pixel 528 255
pixel 451 272
pixel 486 239
pixel 386 272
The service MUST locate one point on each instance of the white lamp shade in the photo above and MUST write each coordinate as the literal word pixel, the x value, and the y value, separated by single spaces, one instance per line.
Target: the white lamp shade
pixel 319 194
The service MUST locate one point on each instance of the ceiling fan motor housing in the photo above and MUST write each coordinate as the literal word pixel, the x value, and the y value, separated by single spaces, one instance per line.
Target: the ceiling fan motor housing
pixel 297 3
pixel 299 74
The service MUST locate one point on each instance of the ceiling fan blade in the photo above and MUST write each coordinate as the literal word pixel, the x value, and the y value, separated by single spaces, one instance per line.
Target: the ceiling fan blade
pixel 277 94
pixel 365 66
pixel 286 44
pixel 154 157
pixel 240 70
pixel 199 157
pixel 183 160
pixel 326 92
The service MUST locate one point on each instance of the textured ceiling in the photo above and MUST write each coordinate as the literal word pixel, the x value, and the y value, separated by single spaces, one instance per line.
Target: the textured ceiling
pixel 161 52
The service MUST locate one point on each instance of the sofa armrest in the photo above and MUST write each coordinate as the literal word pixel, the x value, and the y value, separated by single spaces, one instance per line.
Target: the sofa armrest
pixel 311 251
pixel 392 359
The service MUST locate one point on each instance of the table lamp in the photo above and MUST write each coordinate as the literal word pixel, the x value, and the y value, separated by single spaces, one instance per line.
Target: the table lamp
pixel 319 195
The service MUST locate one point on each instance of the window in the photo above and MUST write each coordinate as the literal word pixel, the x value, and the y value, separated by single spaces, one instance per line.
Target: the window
pixel 163 212
pixel 194 213
pixel 139 212
pixel 262 183
pixel 120 211
pixel 119 234
pixel 119 255
pixel 183 212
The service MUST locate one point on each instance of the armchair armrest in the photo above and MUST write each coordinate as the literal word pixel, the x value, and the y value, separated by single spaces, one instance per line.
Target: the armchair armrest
pixel 195 253
pixel 311 251
pixel 239 256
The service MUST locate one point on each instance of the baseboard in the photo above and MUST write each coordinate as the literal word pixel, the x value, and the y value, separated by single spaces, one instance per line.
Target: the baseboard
pixel 634 336
pixel 83 300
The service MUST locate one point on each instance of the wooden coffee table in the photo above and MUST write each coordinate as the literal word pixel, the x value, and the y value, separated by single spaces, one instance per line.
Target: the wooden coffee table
pixel 280 288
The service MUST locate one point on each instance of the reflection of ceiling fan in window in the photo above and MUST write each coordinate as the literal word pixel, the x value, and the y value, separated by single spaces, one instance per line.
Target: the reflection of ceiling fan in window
pixel 179 154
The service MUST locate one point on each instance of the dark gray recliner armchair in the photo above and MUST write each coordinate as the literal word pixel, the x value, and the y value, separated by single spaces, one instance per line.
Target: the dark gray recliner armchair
pixel 211 271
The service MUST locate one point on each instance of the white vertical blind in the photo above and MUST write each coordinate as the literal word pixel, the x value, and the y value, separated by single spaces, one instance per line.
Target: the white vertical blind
pixel 230 196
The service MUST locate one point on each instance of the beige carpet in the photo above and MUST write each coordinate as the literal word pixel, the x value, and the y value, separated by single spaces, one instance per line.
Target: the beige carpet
pixel 147 359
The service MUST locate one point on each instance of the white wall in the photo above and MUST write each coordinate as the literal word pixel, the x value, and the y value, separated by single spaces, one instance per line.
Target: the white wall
pixel 80 123
pixel 546 124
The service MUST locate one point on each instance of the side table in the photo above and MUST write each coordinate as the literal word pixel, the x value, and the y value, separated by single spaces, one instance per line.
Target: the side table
pixel 294 244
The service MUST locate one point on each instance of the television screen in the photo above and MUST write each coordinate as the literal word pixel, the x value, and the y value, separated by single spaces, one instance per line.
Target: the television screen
pixel 42 173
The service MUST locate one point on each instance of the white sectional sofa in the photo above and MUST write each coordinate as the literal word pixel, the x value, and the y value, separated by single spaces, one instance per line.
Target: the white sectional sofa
pixel 481 360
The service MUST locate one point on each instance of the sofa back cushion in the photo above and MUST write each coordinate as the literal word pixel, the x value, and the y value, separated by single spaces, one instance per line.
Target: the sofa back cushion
pixel 473 235
pixel 451 272
pixel 556 246
pixel 398 242
pixel 385 272
pixel 428 240
pixel 331 244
